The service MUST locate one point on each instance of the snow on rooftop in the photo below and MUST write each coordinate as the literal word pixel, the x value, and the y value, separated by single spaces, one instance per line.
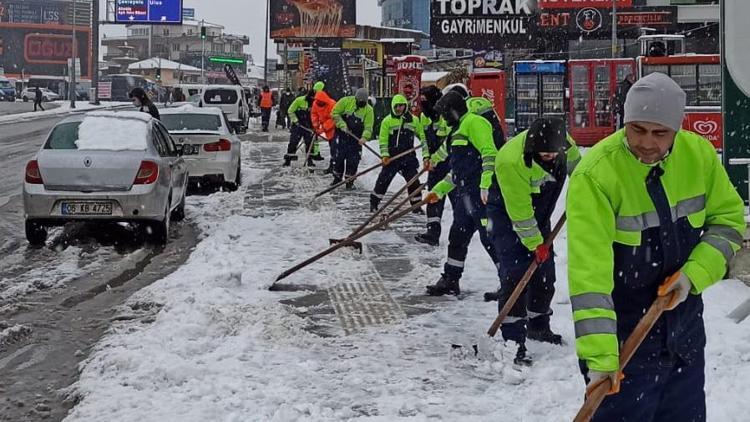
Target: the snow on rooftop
pixel 433 76
pixel 158 63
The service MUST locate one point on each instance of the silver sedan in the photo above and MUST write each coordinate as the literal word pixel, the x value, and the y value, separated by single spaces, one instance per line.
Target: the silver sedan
pixel 111 166
pixel 209 147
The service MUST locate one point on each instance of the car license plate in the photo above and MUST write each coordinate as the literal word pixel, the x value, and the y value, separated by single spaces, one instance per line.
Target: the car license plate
pixel 86 208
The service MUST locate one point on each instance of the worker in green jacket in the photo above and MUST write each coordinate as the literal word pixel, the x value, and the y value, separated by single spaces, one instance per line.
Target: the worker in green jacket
pixel 299 113
pixel 530 172
pixel 397 133
pixel 354 118
pixel 651 212
pixel 471 154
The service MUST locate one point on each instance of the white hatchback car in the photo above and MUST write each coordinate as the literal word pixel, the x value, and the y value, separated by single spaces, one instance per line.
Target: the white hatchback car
pixel 209 146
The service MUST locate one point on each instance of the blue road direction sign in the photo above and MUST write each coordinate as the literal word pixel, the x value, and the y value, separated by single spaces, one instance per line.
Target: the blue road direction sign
pixel 188 13
pixel 148 11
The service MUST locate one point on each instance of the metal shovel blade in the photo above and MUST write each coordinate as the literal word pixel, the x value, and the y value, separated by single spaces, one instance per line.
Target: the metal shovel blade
pixel 356 245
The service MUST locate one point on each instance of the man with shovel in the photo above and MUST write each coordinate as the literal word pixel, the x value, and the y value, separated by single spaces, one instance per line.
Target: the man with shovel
pixel 471 154
pixel 299 113
pixel 651 212
pixel 354 118
pixel 397 132
pixel 529 175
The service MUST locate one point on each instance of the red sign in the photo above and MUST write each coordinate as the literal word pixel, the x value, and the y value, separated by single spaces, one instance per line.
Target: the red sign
pixel 105 90
pixel 409 79
pixel 579 4
pixel 707 124
pixel 48 48
pixel 644 18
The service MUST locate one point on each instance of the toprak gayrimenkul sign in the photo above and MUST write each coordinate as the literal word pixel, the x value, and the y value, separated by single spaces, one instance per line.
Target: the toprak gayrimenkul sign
pixel 481 24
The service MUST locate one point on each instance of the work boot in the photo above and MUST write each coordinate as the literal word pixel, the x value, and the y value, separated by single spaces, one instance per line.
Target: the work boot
pixel 350 185
pixel 374 202
pixel 492 296
pixel 444 286
pixel 310 163
pixel 540 330
pixel 287 162
pixel 336 180
pixel 427 238
pixel 522 359
pixel 317 157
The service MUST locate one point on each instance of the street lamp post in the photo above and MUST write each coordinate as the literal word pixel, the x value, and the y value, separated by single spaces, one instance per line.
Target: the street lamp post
pixel 203 53
pixel 72 87
pixel 614 29
pixel 265 52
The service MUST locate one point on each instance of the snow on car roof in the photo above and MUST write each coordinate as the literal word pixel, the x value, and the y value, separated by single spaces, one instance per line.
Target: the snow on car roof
pixel 137 115
pixel 189 108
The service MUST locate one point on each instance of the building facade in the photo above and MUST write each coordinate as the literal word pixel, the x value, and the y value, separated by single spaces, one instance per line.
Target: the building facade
pixel 407 14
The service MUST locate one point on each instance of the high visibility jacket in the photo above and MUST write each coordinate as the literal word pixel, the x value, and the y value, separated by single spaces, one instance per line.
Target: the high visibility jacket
pixel 631 225
pixel 266 99
pixel 322 122
pixel 435 131
pixel 299 111
pixel 349 117
pixel 472 156
pixel 397 132
pixel 518 183
pixel 485 108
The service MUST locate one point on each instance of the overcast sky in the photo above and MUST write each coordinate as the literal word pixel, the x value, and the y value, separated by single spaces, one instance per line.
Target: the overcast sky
pixel 247 17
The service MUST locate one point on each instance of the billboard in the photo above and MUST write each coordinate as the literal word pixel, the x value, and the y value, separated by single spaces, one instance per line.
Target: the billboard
pixel 31 51
pixel 578 4
pixel 148 11
pixel 481 24
pixel 313 18
pixel 591 22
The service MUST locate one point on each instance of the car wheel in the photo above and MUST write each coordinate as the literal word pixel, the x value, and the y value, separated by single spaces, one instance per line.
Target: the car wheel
pixel 179 213
pixel 35 233
pixel 160 229
pixel 233 186
pixel 25 99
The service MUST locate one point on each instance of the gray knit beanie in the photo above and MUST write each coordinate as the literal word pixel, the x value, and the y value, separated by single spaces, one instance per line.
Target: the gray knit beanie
pixel 361 95
pixel 656 98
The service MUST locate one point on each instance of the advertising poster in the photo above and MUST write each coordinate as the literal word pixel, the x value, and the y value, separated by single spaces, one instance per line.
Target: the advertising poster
pixel 313 18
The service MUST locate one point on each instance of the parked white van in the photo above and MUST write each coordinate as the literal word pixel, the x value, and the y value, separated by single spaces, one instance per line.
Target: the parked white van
pixel 231 100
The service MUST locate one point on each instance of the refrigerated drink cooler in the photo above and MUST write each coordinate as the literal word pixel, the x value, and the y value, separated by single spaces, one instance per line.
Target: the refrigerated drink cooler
pixel 593 97
pixel 540 91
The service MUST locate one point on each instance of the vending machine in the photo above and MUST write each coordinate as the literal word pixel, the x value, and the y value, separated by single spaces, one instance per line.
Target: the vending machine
pixel 540 91
pixel 699 75
pixel 490 84
pixel 593 97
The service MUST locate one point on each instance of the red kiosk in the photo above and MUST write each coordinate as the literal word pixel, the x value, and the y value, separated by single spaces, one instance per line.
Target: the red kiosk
pixel 409 79
pixel 593 87
pixel 490 84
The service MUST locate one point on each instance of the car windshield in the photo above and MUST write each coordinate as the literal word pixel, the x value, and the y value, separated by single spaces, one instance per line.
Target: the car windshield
pixel 5 84
pixel 185 121
pixel 99 133
pixel 63 136
pixel 220 96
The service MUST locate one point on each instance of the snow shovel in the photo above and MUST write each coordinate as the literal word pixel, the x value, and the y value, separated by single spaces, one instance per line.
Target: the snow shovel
pixel 369 148
pixel 358 245
pixel 361 173
pixel 741 312
pixel 345 242
pixel 405 201
pixel 599 391
pixel 524 281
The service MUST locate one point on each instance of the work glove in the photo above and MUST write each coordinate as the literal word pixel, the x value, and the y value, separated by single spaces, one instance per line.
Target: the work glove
pixel 596 377
pixel 426 164
pixel 362 141
pixel 432 198
pixel 386 161
pixel 485 195
pixel 541 253
pixel 679 283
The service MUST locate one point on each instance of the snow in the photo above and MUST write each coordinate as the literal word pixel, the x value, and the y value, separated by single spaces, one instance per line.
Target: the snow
pixel 124 131
pixel 64 108
pixel 190 108
pixel 223 348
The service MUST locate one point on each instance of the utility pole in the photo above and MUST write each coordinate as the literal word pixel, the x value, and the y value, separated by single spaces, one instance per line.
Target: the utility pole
pixel 265 52
pixel 287 81
pixel 203 53
pixel 614 29
pixel 95 51
pixel 72 81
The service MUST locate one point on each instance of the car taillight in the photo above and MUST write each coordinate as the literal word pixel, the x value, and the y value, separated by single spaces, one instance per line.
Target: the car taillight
pixel 147 173
pixel 33 175
pixel 222 145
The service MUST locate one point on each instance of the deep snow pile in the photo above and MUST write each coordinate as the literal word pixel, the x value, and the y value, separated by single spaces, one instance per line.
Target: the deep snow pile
pixel 223 348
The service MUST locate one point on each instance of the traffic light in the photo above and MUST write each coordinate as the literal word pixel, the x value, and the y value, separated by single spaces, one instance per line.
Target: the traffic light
pixel 158 74
pixel 203 32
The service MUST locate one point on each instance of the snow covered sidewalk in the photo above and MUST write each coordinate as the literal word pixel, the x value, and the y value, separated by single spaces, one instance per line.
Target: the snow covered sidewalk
pixel 63 109
pixel 217 346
